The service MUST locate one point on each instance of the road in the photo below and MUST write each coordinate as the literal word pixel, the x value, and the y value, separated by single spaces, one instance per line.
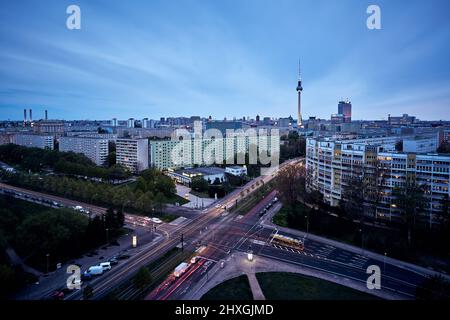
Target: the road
pixel 193 231
pixel 250 233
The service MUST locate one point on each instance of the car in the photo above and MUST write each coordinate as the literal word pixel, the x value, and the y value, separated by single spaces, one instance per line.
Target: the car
pixel 217 206
pixel 156 220
pixel 105 265
pixel 113 261
pixel 93 271
pixel 59 294
pixel 123 257
pixel 194 259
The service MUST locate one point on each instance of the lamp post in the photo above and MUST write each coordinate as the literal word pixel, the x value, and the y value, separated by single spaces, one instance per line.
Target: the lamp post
pixel 107 235
pixel 307 224
pixel 384 262
pixel 362 239
pixel 48 260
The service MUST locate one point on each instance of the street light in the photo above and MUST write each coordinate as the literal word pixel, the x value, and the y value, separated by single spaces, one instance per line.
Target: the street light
pixel 362 239
pixel 107 235
pixel 384 262
pixel 250 256
pixel 48 262
pixel 307 224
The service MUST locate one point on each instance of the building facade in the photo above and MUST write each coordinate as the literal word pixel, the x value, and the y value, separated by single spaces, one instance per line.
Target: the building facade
pixel 345 109
pixel 94 148
pixel 34 141
pixel 175 154
pixel 133 154
pixel 330 164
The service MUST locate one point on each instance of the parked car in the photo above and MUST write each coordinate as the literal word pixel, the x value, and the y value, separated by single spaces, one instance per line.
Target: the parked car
pixel 156 220
pixel 92 272
pixel 105 265
pixel 113 261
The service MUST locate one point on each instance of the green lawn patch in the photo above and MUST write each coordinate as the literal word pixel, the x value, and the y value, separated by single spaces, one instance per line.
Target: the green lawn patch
pixel 291 286
pixel 234 289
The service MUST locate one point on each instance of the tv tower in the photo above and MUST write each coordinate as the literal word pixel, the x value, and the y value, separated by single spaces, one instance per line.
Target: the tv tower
pixel 299 90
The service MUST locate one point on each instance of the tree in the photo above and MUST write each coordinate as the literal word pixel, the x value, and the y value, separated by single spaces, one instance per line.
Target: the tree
pixel 120 218
pixel 199 184
pixel 160 200
pixel 290 184
pixel 410 201
pixel 88 292
pixel 142 279
pixel 444 147
pixel 7 279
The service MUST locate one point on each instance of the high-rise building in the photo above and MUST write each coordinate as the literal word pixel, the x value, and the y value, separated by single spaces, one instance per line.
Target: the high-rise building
pixel 345 108
pixel 94 148
pixel 299 91
pixel 132 153
pixel 173 154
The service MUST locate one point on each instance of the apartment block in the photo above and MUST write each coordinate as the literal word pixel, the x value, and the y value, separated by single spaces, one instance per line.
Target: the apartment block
pixel 330 163
pixel 133 154
pixel 94 148
pixel 34 140
pixel 188 152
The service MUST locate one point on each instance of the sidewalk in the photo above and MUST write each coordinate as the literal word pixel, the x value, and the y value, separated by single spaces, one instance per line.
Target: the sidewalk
pixel 267 222
pixel 50 282
pixel 256 289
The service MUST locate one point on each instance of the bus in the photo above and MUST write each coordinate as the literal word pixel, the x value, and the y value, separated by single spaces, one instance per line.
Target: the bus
pixel 288 242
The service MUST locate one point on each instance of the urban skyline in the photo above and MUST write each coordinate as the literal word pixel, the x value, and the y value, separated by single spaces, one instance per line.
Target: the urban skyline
pixel 221 61
pixel 208 151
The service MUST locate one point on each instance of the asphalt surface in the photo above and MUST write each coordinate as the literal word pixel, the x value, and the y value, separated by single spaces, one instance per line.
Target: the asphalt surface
pixel 237 233
pixel 222 233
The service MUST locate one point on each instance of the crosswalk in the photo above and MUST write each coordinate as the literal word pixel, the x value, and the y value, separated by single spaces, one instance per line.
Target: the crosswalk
pixel 327 253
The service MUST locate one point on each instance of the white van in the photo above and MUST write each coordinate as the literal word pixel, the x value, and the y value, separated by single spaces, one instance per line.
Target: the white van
pixel 105 266
pixel 93 271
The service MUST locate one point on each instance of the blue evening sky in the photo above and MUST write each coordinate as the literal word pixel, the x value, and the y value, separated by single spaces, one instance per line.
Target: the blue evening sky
pixel 223 58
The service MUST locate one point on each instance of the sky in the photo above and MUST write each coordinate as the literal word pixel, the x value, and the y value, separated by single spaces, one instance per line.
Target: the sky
pixel 224 58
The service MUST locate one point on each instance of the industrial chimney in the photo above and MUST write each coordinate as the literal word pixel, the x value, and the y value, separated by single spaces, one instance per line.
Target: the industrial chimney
pixel 46 115
pixel 24 117
pixel 31 115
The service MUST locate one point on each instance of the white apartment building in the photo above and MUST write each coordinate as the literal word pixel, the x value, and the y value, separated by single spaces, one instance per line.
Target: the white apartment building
pixel 34 140
pixel 94 148
pixel 133 154
pixel 175 154
pixel 421 144
pixel 330 162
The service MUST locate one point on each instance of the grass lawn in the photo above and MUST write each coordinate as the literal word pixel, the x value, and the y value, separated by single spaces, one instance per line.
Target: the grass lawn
pixel 234 289
pixel 176 198
pixel 291 286
pixel 280 218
